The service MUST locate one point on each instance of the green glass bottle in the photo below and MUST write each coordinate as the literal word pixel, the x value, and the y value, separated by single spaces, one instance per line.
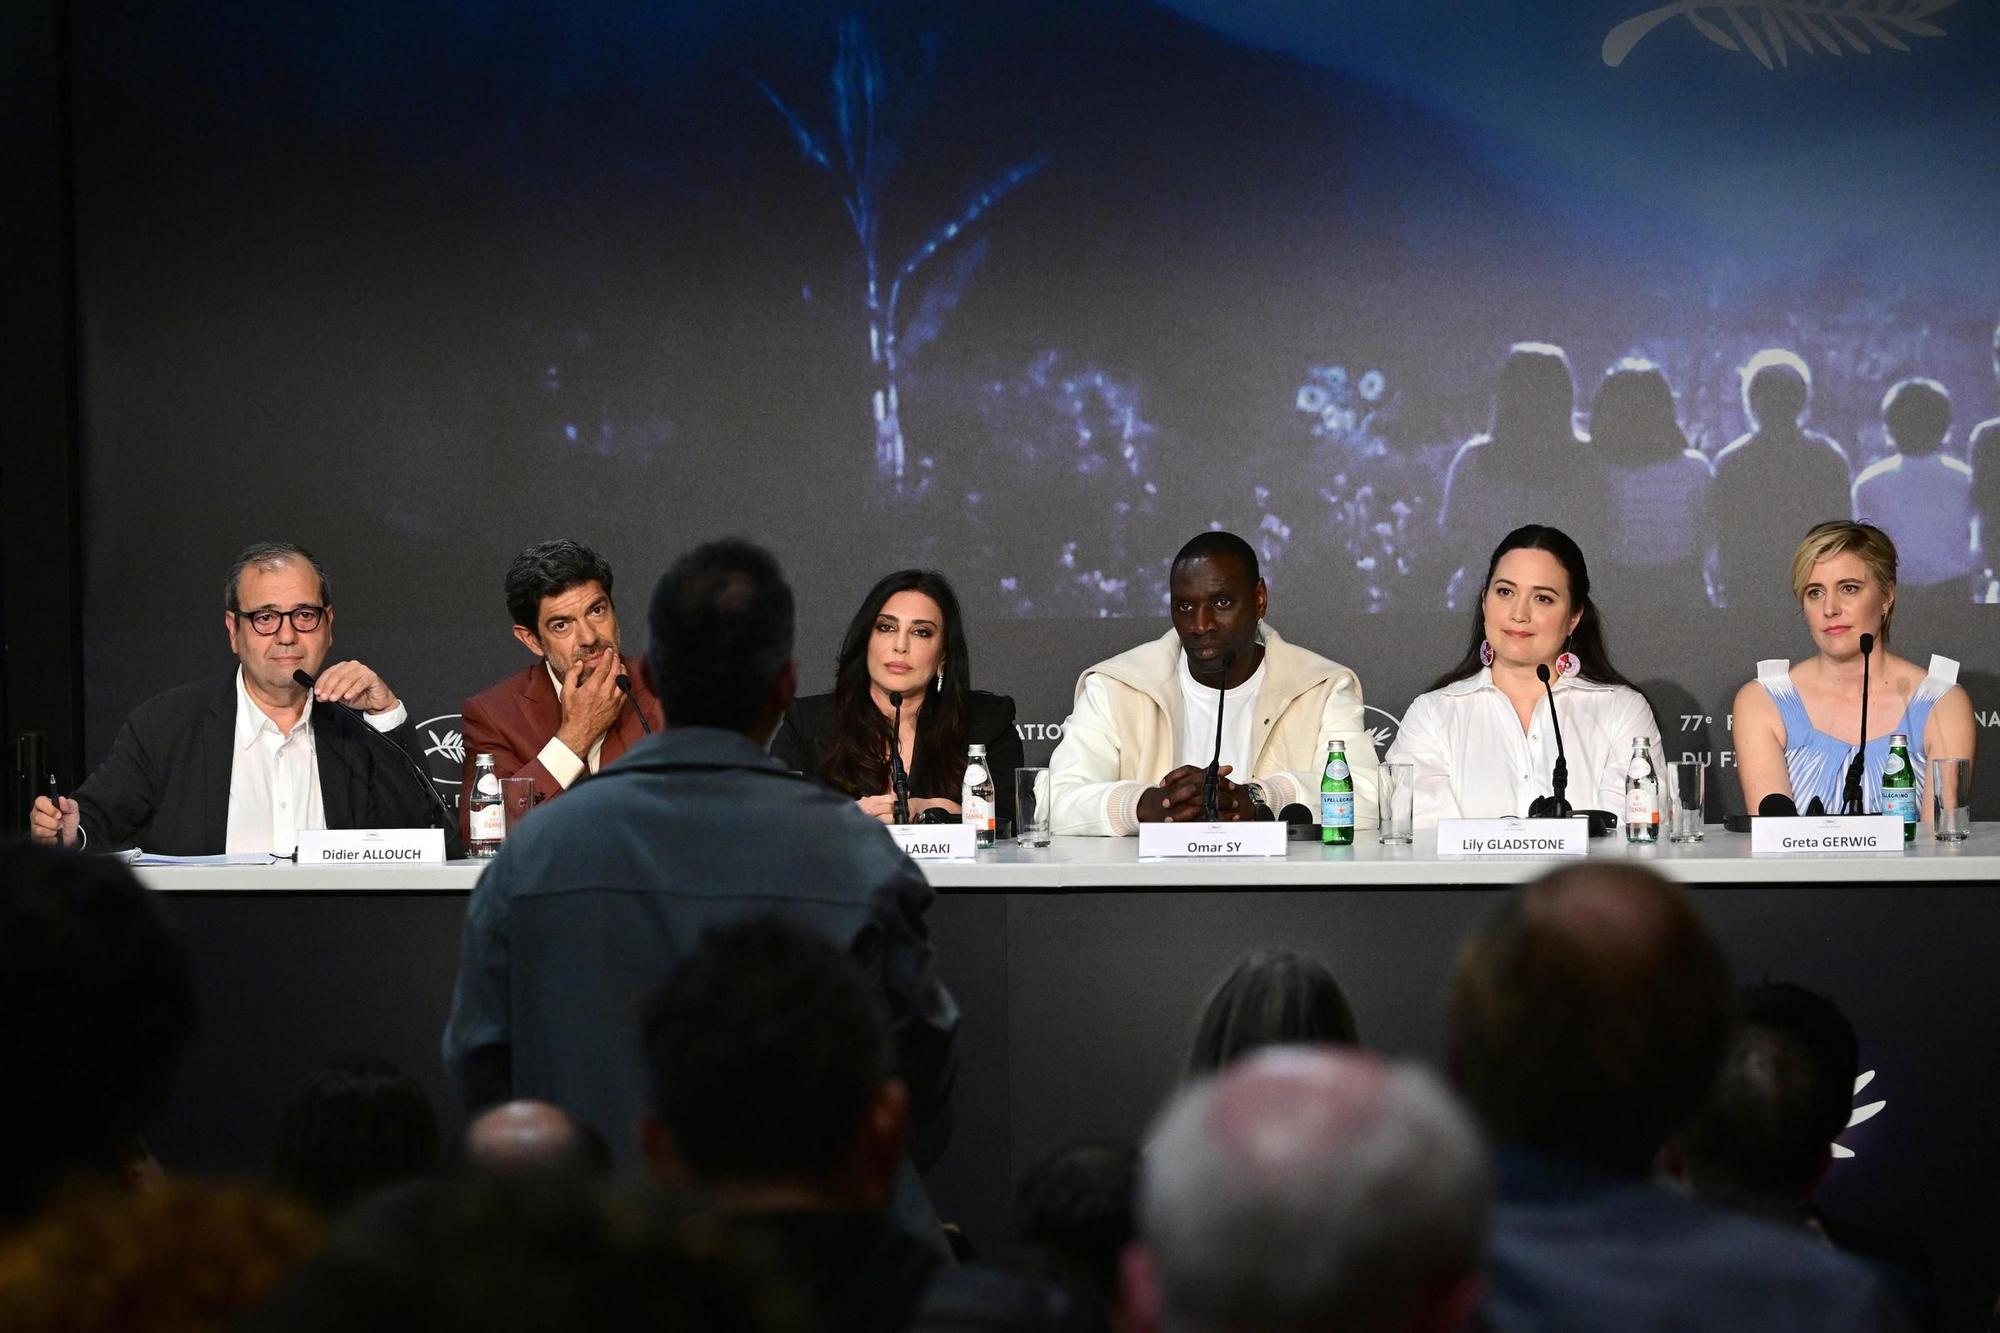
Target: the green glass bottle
pixel 1336 798
pixel 1899 785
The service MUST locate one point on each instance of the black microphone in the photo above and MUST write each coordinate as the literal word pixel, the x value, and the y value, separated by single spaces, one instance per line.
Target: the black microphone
pixel 1777 806
pixel 1211 784
pixel 1555 805
pixel 624 682
pixel 1850 801
pixel 899 777
pixel 423 779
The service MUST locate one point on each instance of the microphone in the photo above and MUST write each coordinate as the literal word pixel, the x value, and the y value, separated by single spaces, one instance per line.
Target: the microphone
pixel 899 777
pixel 423 779
pixel 1850 800
pixel 624 682
pixel 1555 805
pixel 1210 785
pixel 1777 806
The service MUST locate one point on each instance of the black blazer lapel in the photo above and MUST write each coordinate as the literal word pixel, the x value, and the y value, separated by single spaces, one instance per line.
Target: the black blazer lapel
pixel 343 788
pixel 215 765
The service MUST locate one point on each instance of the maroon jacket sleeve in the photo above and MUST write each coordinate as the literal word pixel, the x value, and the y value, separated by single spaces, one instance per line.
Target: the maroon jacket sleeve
pixel 496 727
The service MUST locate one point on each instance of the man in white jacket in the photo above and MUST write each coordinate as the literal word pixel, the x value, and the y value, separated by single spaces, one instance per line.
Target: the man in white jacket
pixel 1137 745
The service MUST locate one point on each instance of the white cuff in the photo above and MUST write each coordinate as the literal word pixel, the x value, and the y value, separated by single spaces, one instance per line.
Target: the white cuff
pixel 390 719
pixel 561 761
pixel 1121 808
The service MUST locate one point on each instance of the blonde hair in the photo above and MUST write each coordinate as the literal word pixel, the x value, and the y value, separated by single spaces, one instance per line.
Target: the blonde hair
pixel 1844 537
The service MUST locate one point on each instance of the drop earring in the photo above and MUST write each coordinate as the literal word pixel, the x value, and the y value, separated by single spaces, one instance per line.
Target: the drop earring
pixel 1485 653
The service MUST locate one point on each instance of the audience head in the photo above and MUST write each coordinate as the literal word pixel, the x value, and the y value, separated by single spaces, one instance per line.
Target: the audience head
pixel 1074 1210
pixel 907 637
pixel 278 613
pixel 1588 1013
pixel 1764 1138
pixel 352 1128
pixel 1851 568
pixel 1217 599
pixel 1271 998
pixel 769 1070
pixel 1632 419
pixel 721 647
pixel 1536 405
pixel 97 1007
pixel 1917 414
pixel 1777 384
pixel 526 1138
pixel 1310 1189
pixel 1536 605
pixel 559 595
pixel 541 1254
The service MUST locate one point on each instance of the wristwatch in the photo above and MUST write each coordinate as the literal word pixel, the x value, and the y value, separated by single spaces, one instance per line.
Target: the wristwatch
pixel 1259 807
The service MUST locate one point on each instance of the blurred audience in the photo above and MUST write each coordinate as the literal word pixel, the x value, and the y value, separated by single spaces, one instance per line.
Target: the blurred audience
pixel 1983 453
pixel 353 1128
pixel 1656 548
pixel 1073 1218
pixel 1778 456
pixel 1271 997
pixel 1921 496
pixel 1310 1189
pixel 528 1138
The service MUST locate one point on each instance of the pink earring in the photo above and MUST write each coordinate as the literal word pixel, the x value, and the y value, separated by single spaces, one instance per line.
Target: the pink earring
pixel 1485 653
pixel 1568 665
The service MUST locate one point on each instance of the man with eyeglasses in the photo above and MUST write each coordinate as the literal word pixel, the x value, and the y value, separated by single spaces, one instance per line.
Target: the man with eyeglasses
pixel 245 763
pixel 581 703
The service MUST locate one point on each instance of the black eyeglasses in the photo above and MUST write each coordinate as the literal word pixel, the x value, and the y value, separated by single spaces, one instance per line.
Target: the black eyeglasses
pixel 305 619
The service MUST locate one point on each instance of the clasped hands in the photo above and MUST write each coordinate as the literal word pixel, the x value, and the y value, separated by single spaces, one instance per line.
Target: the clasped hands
pixel 1178 797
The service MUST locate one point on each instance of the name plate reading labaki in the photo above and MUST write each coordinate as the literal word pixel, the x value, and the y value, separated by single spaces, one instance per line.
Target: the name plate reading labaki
pixel 1161 842
pixel 936 842
pixel 1514 837
pixel 1824 835
pixel 371 847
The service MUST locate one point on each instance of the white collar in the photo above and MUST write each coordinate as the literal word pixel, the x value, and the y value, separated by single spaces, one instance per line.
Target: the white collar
pixel 1484 681
pixel 252 721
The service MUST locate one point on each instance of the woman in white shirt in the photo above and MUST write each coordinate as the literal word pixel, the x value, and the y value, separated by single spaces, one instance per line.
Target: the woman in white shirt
pixel 1481 739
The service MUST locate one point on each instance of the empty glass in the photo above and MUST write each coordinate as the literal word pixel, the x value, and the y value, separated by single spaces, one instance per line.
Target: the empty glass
pixel 518 798
pixel 1686 785
pixel 1951 799
pixel 1031 806
pixel 1397 787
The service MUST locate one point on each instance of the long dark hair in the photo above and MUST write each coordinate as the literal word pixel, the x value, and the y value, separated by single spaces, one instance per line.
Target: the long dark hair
pixel 858 760
pixel 1586 641
pixel 1269 998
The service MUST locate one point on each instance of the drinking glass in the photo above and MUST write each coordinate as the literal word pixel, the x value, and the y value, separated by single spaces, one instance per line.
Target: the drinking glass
pixel 1686 783
pixel 1397 785
pixel 518 798
pixel 1031 806
pixel 1951 799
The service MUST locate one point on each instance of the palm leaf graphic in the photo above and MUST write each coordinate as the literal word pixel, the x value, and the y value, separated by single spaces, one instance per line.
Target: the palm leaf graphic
pixel 1785 26
pixel 1861 1113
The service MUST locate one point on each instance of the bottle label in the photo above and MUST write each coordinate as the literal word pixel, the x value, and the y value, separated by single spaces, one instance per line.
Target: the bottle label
pixel 488 823
pixel 1900 802
pixel 1336 809
pixel 487 784
pixel 976 811
pixel 975 775
pixel 1338 770
pixel 1642 805
pixel 1894 764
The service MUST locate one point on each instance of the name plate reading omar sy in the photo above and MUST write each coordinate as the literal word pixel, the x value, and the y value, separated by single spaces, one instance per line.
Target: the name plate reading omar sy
pixel 1263 837
pixel 936 842
pixel 1514 836
pixel 371 847
pixel 1824 835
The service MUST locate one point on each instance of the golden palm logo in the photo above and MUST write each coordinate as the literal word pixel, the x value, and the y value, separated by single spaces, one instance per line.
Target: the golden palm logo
pixel 1771 30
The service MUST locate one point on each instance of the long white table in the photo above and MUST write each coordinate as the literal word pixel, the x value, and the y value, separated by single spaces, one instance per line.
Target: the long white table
pixel 1102 863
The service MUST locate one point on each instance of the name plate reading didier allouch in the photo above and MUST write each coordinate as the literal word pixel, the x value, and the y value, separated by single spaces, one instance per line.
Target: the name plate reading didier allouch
pixel 1824 835
pixel 1159 842
pixel 1514 837
pixel 936 842
pixel 371 847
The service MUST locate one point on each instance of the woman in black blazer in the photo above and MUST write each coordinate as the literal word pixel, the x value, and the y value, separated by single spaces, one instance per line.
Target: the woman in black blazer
pixel 908 637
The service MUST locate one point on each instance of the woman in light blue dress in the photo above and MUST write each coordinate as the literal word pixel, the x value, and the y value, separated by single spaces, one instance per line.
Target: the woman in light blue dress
pixel 1795 725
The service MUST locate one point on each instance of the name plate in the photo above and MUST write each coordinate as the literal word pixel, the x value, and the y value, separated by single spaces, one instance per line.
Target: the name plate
pixel 1514 837
pixel 936 842
pixel 371 847
pixel 1824 835
pixel 1263 837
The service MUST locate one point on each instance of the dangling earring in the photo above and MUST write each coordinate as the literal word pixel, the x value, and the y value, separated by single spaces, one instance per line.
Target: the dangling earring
pixel 1485 653
pixel 937 679
pixel 1567 662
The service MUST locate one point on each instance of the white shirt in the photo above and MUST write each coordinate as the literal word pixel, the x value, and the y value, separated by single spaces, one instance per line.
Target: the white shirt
pixel 559 759
pixel 1196 743
pixel 1473 761
pixel 274 777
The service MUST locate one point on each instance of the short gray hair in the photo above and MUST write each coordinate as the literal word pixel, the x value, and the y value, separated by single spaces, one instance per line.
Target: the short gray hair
pixel 1311 1188
pixel 271 557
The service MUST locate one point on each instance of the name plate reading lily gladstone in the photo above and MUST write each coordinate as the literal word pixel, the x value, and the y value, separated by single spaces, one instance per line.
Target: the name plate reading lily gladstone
pixel 371 847
pixel 1514 837
pixel 1823 835
pixel 1159 842
pixel 936 842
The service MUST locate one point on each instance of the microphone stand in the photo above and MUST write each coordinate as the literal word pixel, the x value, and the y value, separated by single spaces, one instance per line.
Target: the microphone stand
pixel 1211 784
pixel 624 683
pixel 899 778
pixel 1555 805
pixel 1851 803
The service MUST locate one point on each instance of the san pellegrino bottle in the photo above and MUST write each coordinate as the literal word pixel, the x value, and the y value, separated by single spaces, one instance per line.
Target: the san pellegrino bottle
pixel 1336 797
pixel 1899 785
pixel 488 824
pixel 1642 794
pixel 975 800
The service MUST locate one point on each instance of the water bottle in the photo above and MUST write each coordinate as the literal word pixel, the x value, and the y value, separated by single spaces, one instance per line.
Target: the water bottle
pixel 1899 785
pixel 1642 794
pixel 1336 798
pixel 488 823
pixel 975 798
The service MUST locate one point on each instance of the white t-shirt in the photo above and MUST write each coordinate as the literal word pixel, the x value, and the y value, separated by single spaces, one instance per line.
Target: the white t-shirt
pixel 1198 704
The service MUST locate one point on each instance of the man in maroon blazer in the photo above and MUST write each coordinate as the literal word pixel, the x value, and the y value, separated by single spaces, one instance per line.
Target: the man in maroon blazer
pixel 581 704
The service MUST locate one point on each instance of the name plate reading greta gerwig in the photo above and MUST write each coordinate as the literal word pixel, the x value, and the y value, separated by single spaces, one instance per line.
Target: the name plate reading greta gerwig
pixel 1824 835
pixel 1159 842
pixel 371 847
pixel 936 842
pixel 1514 837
